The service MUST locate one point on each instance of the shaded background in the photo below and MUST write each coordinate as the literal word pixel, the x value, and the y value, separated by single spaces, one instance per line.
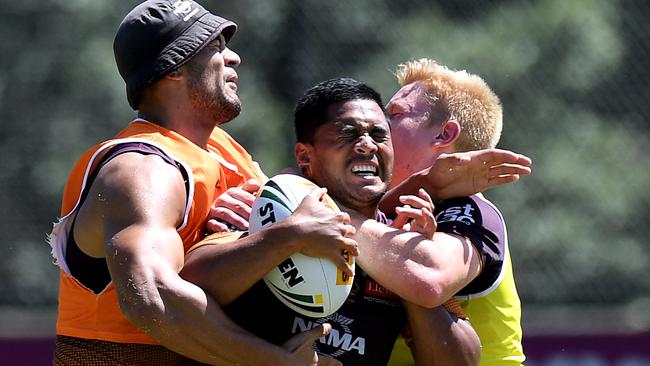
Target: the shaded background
pixel 572 75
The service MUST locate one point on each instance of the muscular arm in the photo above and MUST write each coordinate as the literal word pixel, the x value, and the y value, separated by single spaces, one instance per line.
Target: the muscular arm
pixel 440 338
pixel 225 266
pixel 139 203
pixel 227 269
pixel 423 271
pixel 461 174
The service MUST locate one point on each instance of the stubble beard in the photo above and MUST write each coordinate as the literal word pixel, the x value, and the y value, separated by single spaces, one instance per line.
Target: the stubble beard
pixel 221 107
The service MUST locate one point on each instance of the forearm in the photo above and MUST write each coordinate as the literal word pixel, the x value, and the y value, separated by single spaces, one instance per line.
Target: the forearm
pixel 462 174
pixel 181 317
pixel 228 269
pixel 418 180
pixel 425 272
pixel 440 338
pixel 389 256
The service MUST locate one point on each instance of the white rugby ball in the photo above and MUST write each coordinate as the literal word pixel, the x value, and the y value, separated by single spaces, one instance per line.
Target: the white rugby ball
pixel 310 286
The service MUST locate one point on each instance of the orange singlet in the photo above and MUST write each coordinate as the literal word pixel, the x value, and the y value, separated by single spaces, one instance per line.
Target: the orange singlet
pixel 84 314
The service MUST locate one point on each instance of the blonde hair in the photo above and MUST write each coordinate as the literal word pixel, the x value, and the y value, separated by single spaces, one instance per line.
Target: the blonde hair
pixel 461 96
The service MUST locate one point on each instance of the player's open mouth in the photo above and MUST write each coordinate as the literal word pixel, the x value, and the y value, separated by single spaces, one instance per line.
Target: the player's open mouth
pixel 365 170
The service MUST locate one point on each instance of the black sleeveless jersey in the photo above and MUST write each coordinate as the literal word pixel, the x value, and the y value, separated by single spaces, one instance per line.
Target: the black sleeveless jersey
pixel 364 329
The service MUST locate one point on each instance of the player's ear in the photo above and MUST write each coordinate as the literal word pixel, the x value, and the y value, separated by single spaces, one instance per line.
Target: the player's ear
pixel 302 153
pixel 174 74
pixel 448 133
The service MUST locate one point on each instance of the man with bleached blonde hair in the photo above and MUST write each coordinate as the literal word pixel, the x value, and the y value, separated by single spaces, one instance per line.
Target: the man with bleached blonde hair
pixel 439 111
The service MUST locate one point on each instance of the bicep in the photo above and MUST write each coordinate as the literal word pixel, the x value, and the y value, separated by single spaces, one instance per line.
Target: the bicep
pixel 143 203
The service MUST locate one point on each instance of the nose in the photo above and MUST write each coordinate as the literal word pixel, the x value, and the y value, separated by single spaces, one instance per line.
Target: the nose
pixel 230 58
pixel 365 145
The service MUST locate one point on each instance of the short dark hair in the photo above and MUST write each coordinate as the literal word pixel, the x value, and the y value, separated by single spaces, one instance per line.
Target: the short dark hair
pixel 311 110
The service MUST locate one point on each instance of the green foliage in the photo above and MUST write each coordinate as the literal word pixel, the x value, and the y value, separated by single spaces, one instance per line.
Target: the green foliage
pixel 572 76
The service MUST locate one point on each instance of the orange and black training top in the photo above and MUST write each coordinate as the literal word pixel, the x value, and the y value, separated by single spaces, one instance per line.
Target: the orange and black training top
pixel 89 315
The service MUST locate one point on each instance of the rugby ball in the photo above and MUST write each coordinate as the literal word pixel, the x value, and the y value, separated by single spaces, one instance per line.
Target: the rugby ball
pixel 310 286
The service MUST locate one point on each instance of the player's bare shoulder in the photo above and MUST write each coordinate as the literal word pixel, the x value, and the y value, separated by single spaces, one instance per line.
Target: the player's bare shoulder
pixel 139 187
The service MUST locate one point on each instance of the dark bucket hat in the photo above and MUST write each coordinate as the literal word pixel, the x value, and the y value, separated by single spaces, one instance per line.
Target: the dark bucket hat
pixel 158 36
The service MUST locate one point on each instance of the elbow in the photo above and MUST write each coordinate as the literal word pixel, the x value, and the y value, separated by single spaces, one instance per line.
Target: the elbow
pixel 427 286
pixel 428 293
pixel 142 308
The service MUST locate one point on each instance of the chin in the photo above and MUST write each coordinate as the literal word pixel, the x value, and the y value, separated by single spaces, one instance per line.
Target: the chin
pixel 227 112
pixel 371 196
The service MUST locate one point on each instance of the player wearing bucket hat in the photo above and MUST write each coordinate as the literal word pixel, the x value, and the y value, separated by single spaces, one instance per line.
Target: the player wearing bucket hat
pixel 133 205
pixel 158 37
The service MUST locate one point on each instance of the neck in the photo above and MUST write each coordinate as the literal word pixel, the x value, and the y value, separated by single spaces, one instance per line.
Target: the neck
pixel 168 104
pixel 369 212
pixel 189 124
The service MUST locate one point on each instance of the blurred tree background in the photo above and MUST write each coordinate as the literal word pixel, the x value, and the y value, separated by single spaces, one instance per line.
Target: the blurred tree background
pixel 573 77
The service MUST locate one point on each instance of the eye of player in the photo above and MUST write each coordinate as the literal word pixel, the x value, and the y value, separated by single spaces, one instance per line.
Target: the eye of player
pixel 219 43
pixel 379 134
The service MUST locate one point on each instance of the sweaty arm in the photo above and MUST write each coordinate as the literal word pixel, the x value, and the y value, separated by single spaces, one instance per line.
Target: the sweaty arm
pixel 420 270
pixel 464 257
pixel 138 202
pixel 461 174
pixel 226 265
pixel 438 337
